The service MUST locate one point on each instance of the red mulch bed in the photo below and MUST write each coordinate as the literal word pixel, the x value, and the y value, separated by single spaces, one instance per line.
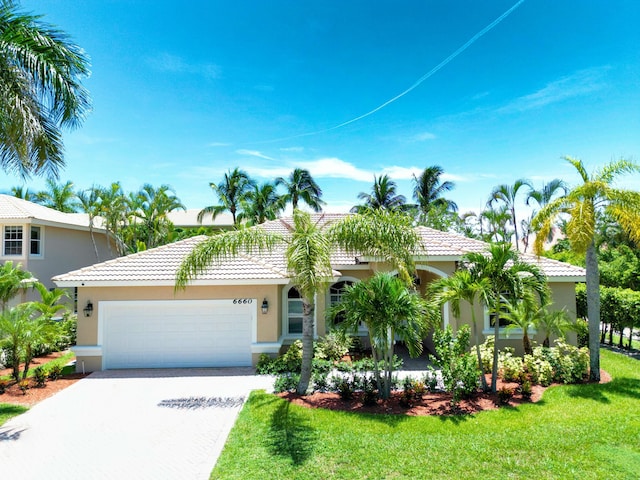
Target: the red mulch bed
pixel 430 403
pixel 14 395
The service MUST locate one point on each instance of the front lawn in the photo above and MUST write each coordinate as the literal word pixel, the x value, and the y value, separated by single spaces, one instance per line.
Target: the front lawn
pixel 575 431
pixel 8 410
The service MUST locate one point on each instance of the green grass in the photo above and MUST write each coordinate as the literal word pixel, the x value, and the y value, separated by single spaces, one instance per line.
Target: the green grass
pixel 7 411
pixel 575 431
pixel 62 361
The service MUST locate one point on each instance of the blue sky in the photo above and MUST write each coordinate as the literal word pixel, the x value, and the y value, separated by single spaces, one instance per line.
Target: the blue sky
pixel 184 91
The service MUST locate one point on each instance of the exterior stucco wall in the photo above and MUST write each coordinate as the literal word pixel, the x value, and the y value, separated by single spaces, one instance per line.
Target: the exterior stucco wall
pixel 88 327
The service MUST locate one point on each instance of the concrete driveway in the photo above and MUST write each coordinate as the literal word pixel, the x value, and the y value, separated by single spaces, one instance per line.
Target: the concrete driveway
pixel 142 424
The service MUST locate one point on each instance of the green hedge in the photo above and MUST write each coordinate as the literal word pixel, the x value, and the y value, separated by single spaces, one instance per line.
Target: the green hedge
pixel 619 307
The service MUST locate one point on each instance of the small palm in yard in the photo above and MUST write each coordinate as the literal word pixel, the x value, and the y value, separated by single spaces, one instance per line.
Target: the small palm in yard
pixel 556 322
pixel 463 286
pixel 522 314
pixel 507 275
pixel 390 311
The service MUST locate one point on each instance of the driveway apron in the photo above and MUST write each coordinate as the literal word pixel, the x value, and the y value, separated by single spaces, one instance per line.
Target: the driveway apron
pixel 142 424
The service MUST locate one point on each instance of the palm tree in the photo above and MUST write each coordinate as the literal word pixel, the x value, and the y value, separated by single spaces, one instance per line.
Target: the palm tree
pixel 23 193
pixel 40 92
pixel 542 198
pixel 151 206
pixel 49 304
pixel 60 197
pixel 582 204
pixel 391 311
pixel 546 194
pixel 428 190
pixel 114 209
pixel 301 186
pixel 12 281
pixel 496 220
pixel 385 235
pixel 13 329
pixel 382 197
pixel 261 204
pixel 89 203
pixel 506 194
pixel 523 314
pixel 507 277
pixel 230 192
pixel 463 286
pixel 555 322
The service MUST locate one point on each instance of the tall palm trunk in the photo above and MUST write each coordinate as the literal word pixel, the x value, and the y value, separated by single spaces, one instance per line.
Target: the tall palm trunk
pixel 496 332
pixel 515 227
pixel 307 346
pixel 476 335
pixel 593 311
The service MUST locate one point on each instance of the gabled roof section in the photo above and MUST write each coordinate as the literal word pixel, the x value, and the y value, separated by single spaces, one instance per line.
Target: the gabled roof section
pixel 19 210
pixel 158 266
pixel 452 246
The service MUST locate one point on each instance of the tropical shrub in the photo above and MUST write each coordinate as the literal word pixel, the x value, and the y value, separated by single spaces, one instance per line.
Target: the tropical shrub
pixel 511 367
pixel 525 390
pixel 333 346
pixel 40 376
pixel 55 372
pixel 486 353
pixel 458 366
pixel 286 382
pixel 370 393
pixel 539 369
pixel 505 394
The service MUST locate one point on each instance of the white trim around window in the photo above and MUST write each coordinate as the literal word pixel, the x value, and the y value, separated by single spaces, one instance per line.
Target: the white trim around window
pixel 295 316
pixel 13 241
pixel 36 239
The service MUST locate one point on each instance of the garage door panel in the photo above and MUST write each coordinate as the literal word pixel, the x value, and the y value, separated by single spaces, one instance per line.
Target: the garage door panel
pixel 177 334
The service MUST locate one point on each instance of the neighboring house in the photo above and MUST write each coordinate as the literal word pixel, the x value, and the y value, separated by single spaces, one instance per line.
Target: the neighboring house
pixel 241 308
pixel 47 242
pixel 189 219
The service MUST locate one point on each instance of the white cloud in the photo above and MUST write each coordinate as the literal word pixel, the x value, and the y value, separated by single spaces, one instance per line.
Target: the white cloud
pixel 253 153
pixel 292 149
pixel 423 137
pixel 336 168
pixel 401 173
pixel 578 84
pixel 219 144
pixel 165 62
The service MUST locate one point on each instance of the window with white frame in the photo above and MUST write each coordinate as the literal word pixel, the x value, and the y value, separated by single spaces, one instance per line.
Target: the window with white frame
pixel 294 311
pixel 12 240
pixel 35 241
pixel 335 296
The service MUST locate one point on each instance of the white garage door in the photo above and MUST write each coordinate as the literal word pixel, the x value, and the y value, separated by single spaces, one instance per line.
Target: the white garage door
pixel 173 334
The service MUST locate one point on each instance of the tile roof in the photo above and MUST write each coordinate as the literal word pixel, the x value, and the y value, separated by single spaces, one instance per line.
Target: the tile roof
pixel 159 265
pixel 13 208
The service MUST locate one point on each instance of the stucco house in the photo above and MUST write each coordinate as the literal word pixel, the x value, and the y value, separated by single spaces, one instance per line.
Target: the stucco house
pixel 48 242
pixel 241 308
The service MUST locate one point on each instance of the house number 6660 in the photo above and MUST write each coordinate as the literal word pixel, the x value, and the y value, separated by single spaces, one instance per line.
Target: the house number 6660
pixel 240 301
